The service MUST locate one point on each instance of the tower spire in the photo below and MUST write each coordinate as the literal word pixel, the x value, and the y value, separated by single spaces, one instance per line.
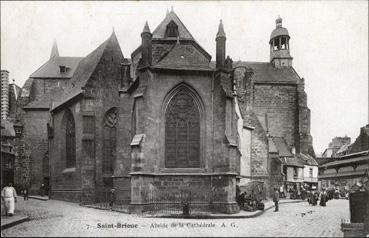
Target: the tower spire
pixel 146 46
pixel 54 50
pixel 220 40
pixel 221 32
pixel 146 28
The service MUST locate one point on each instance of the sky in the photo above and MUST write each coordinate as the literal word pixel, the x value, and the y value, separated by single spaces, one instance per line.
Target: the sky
pixel 329 43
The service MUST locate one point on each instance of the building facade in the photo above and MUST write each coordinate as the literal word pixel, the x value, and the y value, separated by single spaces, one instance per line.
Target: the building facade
pixel 167 120
pixel 349 168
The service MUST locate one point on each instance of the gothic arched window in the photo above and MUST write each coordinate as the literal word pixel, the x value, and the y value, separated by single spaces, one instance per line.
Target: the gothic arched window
pixel 109 143
pixel 70 139
pixel 172 30
pixel 182 132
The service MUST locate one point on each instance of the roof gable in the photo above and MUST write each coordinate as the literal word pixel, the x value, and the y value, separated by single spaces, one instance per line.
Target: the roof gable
pixel 85 69
pixel 183 33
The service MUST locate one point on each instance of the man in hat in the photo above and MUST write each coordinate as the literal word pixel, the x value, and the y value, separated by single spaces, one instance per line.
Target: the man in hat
pixel 9 197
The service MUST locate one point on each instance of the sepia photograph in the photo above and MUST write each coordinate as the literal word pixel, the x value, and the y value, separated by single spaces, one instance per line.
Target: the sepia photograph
pixel 184 118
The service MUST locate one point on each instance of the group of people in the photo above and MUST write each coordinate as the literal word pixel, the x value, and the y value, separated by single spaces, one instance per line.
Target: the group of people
pixel 314 197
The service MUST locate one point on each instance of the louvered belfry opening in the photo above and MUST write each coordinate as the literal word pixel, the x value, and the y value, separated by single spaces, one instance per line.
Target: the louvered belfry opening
pixel 172 30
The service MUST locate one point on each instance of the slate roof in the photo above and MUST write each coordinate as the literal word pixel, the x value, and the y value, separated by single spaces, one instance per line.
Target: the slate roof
pixel 347 161
pixel 265 72
pixel 309 160
pixel 159 32
pixel 51 68
pixel 26 89
pixel 323 160
pixel 180 58
pixel 83 73
pixel 293 161
pixel 279 31
pixel 281 146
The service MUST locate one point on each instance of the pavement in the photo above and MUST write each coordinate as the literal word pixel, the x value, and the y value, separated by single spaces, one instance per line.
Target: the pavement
pixel 269 204
pixel 44 198
pixel 63 219
pixel 9 221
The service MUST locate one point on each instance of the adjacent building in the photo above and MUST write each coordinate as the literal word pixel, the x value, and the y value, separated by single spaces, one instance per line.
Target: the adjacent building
pixel 4 93
pixel 7 152
pixel 348 168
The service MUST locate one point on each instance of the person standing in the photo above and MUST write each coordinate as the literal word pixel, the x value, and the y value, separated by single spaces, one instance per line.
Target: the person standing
pixel 42 190
pixel 323 198
pixel 9 196
pixel 112 198
pixel 25 193
pixel 276 199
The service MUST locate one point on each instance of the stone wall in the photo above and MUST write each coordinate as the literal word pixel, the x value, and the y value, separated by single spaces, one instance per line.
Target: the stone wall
pixel 35 136
pixel 100 96
pixel 278 104
pixel 41 86
pixel 65 182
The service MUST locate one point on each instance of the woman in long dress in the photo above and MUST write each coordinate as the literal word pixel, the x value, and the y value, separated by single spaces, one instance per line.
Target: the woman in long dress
pixel 9 197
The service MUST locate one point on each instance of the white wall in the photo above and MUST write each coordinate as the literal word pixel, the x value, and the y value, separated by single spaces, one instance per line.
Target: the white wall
pixel 290 175
pixel 314 177
pixel 244 143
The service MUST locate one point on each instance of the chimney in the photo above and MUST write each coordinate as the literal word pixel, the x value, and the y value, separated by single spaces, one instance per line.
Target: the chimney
pixel 220 47
pixel 146 46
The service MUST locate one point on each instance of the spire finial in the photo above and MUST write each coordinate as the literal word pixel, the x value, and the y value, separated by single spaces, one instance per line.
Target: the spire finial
pixel 54 50
pixel 146 28
pixel 221 32
pixel 278 22
pixel 113 30
pixel 171 9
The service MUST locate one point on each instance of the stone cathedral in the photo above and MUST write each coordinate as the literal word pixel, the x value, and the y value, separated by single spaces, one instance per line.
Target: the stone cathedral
pixel 166 120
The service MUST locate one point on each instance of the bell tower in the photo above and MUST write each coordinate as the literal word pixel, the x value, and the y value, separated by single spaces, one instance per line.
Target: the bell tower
pixel 280 46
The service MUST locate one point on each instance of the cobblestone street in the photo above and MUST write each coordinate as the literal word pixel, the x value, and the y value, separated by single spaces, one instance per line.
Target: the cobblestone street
pixel 57 218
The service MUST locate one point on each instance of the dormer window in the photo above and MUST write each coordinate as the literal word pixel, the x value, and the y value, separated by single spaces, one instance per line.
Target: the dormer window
pixel 172 30
pixel 63 69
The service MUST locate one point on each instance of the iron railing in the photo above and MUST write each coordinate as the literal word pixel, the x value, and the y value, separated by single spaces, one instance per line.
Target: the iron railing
pixel 180 202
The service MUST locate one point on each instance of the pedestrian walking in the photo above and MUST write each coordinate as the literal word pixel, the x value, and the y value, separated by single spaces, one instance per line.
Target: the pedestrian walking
pixel 25 194
pixel 276 199
pixel 313 198
pixel 9 197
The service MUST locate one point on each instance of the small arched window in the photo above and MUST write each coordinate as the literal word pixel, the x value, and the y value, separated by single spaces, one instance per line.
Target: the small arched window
pixel 172 30
pixel 70 139
pixel 109 144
